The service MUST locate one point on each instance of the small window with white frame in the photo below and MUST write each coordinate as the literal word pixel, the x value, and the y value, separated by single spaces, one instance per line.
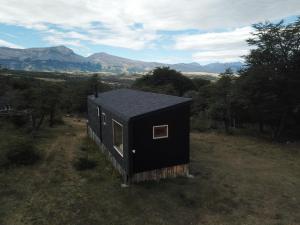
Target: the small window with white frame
pixel 117 136
pixel 103 118
pixel 161 131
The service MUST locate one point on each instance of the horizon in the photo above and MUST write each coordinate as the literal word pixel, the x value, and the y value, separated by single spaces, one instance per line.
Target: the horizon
pixel 57 46
pixel 165 32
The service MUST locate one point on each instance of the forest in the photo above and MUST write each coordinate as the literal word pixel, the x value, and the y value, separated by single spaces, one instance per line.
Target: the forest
pixel 263 97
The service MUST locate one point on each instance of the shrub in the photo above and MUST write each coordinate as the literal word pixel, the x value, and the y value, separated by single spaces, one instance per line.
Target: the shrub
pixel 58 120
pixel 201 124
pixel 19 120
pixel 83 148
pixel 84 164
pixel 21 152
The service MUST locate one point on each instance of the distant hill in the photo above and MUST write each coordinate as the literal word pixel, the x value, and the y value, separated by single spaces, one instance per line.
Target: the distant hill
pixel 63 59
pixel 113 63
pixel 221 67
pixel 58 58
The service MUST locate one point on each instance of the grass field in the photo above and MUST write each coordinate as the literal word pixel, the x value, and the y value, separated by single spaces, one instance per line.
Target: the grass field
pixel 238 180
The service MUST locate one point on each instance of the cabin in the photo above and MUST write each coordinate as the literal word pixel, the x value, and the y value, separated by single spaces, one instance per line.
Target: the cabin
pixel 144 134
pixel 4 105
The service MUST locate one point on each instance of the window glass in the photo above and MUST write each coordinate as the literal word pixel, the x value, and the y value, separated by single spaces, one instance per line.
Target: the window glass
pixel 160 131
pixel 103 118
pixel 118 136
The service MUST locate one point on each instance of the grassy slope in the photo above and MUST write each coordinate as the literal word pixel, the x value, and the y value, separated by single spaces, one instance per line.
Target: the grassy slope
pixel 238 180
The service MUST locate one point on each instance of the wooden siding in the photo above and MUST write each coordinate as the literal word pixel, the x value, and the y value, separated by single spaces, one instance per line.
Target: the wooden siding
pixel 163 173
pixel 105 134
pixel 105 151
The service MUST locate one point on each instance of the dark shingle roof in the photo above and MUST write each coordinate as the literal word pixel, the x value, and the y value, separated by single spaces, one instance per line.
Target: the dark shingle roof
pixel 128 103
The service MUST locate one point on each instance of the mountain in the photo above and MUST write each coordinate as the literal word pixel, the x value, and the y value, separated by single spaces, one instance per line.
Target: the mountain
pixel 58 58
pixel 118 64
pixel 61 58
pixel 221 67
pixel 188 67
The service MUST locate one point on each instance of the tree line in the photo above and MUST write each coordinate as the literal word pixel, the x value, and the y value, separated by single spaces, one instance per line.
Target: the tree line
pixel 37 102
pixel 265 93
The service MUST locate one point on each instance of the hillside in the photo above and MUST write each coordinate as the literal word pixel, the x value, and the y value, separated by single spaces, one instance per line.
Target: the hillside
pixel 63 59
pixel 58 58
pixel 116 64
pixel 238 180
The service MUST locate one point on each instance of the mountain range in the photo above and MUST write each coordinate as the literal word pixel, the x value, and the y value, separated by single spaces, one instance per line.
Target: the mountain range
pixel 63 59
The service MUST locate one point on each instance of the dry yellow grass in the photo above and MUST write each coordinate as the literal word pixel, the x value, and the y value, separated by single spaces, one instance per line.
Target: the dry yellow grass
pixel 238 180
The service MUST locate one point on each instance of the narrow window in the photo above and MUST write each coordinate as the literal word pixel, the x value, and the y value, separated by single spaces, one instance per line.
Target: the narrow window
pixel 118 136
pixel 161 131
pixel 98 111
pixel 103 118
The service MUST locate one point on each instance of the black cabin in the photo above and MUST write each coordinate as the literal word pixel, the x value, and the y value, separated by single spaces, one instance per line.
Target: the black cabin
pixel 145 135
pixel 4 105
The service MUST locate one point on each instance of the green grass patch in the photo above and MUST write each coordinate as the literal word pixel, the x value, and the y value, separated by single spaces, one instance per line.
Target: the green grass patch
pixel 84 164
pixel 17 147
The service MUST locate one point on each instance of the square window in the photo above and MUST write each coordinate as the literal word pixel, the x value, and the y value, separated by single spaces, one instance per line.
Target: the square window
pixel 118 136
pixel 160 132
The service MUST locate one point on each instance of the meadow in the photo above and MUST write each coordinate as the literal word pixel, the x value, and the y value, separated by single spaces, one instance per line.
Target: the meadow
pixel 237 180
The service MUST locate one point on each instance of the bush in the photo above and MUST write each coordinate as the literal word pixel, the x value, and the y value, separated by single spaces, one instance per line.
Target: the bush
pixel 19 120
pixel 20 152
pixel 200 123
pixel 58 120
pixel 85 164
pixel 83 148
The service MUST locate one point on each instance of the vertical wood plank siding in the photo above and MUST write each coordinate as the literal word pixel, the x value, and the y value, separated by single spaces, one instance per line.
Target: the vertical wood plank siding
pixel 105 151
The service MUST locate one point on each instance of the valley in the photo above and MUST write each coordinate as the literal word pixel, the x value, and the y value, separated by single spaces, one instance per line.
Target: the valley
pixel 63 59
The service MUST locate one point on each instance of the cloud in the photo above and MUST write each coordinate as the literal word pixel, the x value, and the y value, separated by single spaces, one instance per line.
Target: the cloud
pixel 135 24
pixel 9 44
pixel 125 38
pixel 56 40
pixel 216 46
pixel 206 57
pixel 219 40
pixel 154 15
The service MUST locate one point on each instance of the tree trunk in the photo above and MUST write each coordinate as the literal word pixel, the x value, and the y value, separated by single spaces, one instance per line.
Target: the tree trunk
pixel 281 126
pixel 228 118
pixel 33 121
pixel 226 124
pixel 261 126
pixel 51 118
pixel 40 122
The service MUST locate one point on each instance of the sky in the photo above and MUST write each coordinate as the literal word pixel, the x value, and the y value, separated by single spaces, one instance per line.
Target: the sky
pixel 168 31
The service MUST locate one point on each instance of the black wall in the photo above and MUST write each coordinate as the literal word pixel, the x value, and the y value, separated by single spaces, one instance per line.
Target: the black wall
pixel 94 121
pixel 158 153
pixel 137 134
pixel 107 132
pixel 107 138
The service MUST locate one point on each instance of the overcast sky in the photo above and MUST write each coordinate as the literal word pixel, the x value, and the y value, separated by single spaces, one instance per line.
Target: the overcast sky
pixel 170 31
